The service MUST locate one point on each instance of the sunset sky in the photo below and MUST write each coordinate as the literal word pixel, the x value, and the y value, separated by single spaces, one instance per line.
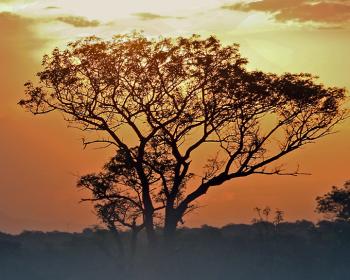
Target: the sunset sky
pixel 41 159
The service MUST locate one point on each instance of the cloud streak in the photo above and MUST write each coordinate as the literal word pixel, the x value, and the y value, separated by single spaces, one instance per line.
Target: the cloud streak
pixel 52 8
pixel 148 16
pixel 151 16
pixel 326 11
pixel 79 22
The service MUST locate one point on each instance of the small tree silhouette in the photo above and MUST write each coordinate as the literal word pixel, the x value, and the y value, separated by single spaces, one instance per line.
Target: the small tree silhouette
pixel 117 194
pixel 174 97
pixel 336 203
pixel 262 215
pixel 279 217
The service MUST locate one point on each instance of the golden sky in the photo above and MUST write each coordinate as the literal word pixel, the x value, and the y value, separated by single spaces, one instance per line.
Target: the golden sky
pixel 40 158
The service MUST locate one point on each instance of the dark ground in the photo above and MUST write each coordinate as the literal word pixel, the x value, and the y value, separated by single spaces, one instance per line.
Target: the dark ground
pixel 261 251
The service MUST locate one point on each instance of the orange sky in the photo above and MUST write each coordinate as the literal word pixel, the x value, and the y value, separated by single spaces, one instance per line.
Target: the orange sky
pixel 40 158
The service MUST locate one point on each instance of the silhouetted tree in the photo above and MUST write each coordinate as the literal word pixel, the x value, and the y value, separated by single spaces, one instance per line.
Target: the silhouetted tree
pixel 262 214
pixel 279 218
pixel 117 194
pixel 178 97
pixel 336 203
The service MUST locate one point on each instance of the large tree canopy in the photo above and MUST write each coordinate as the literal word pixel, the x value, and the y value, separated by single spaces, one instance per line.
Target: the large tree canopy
pixel 160 102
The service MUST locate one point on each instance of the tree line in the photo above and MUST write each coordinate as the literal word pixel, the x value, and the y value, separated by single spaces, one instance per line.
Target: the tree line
pixel 259 251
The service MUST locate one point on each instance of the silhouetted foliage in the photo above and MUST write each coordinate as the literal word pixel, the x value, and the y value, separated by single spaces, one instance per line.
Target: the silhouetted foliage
pixel 117 193
pixel 336 203
pixel 174 98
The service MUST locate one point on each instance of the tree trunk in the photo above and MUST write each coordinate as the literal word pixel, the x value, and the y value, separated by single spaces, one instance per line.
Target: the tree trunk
pixel 150 232
pixel 118 239
pixel 170 225
pixel 133 240
pixel 133 243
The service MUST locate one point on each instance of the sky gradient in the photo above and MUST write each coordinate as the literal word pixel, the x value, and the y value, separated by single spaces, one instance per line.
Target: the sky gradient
pixel 41 159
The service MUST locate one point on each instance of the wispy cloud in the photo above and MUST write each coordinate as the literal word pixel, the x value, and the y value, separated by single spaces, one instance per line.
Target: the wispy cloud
pixel 78 21
pixel 148 16
pixel 151 16
pixel 52 8
pixel 325 11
